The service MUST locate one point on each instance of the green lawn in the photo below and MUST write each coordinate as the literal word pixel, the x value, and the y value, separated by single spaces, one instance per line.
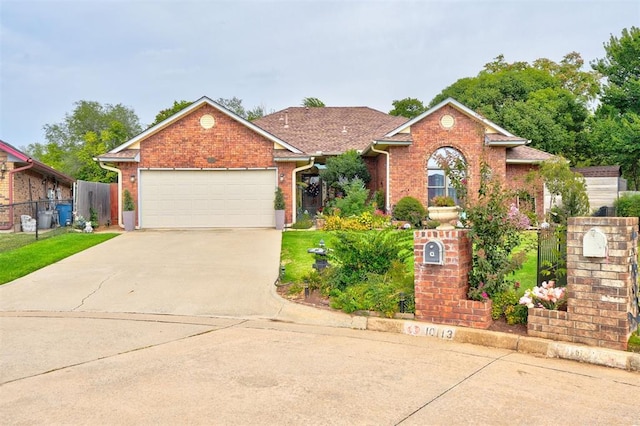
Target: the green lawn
pixel 29 257
pixel 15 240
pixel 298 262
pixel 294 256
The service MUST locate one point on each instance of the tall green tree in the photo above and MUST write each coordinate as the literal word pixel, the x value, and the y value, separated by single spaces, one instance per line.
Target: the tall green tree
pixel 345 167
pixel 407 107
pixel 168 112
pixel 616 127
pixel 91 129
pixel 545 102
pixel 235 105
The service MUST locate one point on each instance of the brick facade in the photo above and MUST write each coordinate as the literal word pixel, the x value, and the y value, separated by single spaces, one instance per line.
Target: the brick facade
pixel 228 144
pixel 602 307
pixel 441 290
pixel 27 185
pixel 408 164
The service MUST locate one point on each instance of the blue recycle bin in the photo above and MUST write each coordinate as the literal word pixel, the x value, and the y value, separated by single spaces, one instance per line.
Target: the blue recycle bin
pixel 64 214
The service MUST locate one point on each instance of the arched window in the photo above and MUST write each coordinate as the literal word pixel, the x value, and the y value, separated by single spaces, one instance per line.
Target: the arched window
pixel 437 182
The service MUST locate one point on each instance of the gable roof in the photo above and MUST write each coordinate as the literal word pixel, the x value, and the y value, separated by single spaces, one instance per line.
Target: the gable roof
pixel 17 156
pixel 501 137
pixel 123 153
pixel 329 130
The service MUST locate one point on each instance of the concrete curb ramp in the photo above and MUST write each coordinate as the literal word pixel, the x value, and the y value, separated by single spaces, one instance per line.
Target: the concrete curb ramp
pixel 532 345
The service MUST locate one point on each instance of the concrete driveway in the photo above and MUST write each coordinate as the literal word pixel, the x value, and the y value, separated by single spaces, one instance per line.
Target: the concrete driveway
pixel 221 273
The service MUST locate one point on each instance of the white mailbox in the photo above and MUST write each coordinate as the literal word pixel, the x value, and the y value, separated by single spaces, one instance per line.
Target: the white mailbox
pixel 594 243
pixel 434 252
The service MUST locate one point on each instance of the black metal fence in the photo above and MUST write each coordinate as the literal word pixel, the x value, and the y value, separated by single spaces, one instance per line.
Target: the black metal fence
pixel 36 216
pixel 552 255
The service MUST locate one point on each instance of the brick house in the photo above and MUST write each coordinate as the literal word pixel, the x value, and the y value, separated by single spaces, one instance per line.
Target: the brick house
pixel 207 167
pixel 23 179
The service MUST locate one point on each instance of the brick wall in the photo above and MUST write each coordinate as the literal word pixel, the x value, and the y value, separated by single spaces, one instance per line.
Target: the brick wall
pixel 602 307
pixel 516 179
pixel 228 144
pixel 409 164
pixel 441 290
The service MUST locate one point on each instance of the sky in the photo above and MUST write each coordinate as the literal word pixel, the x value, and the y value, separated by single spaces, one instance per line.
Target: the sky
pixel 147 54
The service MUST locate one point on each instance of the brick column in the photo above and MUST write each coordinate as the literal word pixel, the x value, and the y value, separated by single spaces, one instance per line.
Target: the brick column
pixel 602 305
pixel 441 290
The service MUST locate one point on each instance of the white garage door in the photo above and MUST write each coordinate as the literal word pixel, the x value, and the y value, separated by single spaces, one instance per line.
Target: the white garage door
pixel 207 199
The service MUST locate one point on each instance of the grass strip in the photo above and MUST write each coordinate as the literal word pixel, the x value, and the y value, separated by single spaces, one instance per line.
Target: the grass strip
pixel 24 260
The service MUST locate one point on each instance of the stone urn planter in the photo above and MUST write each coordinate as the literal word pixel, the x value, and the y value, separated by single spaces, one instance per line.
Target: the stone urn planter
pixel 444 215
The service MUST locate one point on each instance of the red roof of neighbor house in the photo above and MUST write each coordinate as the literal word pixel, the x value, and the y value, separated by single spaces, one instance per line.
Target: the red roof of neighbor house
pixel 598 171
pixel 330 130
pixel 21 157
pixel 526 154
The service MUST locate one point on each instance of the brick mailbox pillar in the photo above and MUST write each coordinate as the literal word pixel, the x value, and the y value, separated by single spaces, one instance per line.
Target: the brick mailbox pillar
pixel 602 285
pixel 442 265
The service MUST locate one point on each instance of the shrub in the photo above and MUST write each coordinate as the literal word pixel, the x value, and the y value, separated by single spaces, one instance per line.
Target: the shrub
pixel 380 200
pixel 507 304
pixel 628 205
pixel 345 166
pixel 355 201
pixel 127 203
pixel 409 209
pixel 278 200
pixel 357 254
pixel 379 292
pixel 303 222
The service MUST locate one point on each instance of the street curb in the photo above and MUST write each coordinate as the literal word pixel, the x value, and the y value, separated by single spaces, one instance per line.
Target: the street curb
pixel 532 345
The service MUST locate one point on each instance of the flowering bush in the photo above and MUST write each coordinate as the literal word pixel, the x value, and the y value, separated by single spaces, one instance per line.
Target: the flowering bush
pixel 546 296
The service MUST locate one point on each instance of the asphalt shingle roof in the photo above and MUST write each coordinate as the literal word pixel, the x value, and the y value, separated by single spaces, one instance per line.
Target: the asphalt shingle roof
pixel 330 130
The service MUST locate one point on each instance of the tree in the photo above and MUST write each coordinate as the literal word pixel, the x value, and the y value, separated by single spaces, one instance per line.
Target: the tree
pixel 616 127
pixel 346 166
pixel 91 129
pixel 312 103
pixel 407 107
pixel 235 105
pixel 569 186
pixel 545 102
pixel 168 112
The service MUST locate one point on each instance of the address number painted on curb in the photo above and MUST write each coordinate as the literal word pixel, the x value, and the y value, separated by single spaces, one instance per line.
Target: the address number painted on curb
pixel 429 330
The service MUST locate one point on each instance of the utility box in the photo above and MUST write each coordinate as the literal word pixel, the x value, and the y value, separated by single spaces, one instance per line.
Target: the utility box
pixel 434 253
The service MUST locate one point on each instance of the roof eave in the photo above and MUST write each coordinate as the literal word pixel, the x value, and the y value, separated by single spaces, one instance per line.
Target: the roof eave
pixel 384 144
pixel 507 144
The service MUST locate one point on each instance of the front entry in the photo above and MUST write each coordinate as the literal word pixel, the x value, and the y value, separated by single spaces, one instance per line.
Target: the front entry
pixel 312 194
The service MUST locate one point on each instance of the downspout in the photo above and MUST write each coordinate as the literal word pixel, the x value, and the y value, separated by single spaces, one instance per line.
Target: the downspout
pixel 387 189
pixel 294 191
pixel 11 172
pixel 119 172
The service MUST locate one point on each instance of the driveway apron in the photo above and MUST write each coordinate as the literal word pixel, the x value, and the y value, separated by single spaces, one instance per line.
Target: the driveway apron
pixel 204 273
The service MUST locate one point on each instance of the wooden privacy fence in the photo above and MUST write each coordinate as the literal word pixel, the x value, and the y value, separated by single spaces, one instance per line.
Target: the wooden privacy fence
pixel 96 196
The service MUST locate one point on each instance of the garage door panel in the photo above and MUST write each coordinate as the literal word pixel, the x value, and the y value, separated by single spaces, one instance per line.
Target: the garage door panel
pixel 196 199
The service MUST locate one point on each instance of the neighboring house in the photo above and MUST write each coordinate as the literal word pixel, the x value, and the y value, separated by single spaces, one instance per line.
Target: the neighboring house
pixel 604 183
pixel 207 167
pixel 23 179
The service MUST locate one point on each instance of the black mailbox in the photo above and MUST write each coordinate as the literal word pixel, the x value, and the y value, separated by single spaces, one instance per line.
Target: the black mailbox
pixel 434 253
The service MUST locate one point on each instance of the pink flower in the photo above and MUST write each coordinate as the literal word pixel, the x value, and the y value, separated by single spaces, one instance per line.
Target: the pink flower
pixel 485 295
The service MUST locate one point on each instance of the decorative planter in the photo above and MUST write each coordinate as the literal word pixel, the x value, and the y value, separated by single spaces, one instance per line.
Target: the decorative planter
pixel 129 219
pixel 444 215
pixel 320 223
pixel 279 220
